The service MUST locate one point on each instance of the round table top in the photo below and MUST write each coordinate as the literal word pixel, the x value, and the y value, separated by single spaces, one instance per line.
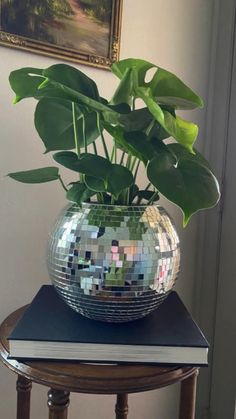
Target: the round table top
pixel 87 377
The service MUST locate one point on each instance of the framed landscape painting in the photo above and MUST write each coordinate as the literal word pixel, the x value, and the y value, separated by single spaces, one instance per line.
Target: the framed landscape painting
pixel 85 31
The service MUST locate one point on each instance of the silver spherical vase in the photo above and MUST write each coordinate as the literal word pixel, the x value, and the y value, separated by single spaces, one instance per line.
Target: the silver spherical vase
pixel 113 263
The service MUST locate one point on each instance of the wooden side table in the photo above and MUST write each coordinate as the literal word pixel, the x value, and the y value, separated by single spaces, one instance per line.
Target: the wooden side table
pixel 65 377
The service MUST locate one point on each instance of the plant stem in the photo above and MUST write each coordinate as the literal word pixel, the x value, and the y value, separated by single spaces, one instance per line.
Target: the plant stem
pixel 136 170
pixel 62 183
pixel 102 137
pixel 84 135
pixel 77 146
pixel 104 145
pixel 100 198
pixel 122 158
pixel 150 201
pixel 95 148
pixel 133 103
pixel 123 197
pixel 115 153
pixel 112 153
pixel 148 186
pixel 133 164
pixel 150 126
pixel 128 161
pixel 127 196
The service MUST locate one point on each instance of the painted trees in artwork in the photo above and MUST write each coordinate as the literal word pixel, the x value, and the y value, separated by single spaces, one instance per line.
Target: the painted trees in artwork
pixel 28 18
pixel 98 9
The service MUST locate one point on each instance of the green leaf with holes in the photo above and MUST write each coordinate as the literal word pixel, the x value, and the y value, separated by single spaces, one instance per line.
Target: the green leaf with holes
pixel 163 90
pixel 123 93
pixel 165 87
pixel 183 131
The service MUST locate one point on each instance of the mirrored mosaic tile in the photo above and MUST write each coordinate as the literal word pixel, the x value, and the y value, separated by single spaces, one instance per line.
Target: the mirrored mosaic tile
pixel 113 263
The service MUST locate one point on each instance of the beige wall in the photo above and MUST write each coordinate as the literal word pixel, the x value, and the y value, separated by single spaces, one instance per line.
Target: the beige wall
pixel 174 34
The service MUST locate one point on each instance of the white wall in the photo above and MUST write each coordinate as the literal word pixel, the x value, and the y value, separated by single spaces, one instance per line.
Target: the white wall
pixel 174 34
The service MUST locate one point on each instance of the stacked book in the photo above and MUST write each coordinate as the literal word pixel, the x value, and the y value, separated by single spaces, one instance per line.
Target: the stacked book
pixel 49 329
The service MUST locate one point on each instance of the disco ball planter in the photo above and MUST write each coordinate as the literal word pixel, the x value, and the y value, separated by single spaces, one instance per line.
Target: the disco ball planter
pixel 113 263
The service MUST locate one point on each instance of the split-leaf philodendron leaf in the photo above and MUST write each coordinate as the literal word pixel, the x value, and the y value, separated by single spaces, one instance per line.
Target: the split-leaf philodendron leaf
pixel 163 89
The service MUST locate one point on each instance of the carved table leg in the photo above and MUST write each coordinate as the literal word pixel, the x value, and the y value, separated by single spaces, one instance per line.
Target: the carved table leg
pixel 188 397
pixel 23 387
pixel 121 406
pixel 58 402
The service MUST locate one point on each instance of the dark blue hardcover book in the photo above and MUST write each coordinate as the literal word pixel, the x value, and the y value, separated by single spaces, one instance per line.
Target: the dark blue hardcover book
pixel 49 329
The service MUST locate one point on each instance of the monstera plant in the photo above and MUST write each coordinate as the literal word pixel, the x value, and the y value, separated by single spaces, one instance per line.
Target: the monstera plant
pixel 114 254
pixel 72 119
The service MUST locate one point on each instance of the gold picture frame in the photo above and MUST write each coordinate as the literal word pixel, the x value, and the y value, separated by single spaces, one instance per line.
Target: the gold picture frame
pixel 95 31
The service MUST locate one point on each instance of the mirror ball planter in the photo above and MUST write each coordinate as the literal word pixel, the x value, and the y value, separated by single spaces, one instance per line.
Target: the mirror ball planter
pixel 113 263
